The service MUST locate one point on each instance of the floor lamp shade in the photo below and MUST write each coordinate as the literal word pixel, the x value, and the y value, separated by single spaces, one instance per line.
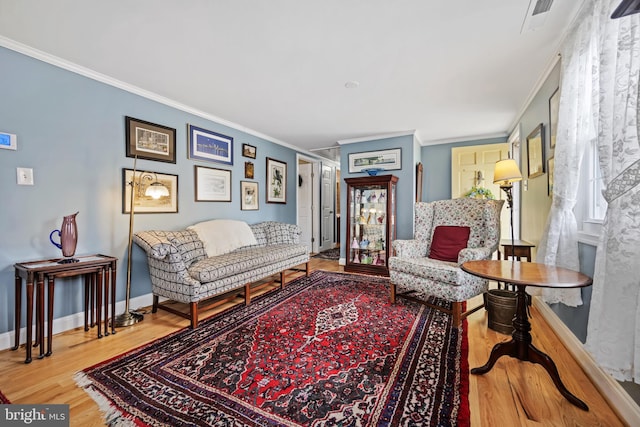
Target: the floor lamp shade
pixel 506 172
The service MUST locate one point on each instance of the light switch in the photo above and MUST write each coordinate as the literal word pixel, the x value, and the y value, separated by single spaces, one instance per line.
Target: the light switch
pixel 25 176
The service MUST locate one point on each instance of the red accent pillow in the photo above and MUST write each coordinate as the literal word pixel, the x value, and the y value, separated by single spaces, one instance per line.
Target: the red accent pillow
pixel 448 241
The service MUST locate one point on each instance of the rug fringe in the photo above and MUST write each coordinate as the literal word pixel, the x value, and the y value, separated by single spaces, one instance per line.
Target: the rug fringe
pixel 113 416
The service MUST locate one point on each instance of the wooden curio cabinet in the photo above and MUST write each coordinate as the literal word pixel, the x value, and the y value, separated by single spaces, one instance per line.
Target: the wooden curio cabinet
pixel 371 223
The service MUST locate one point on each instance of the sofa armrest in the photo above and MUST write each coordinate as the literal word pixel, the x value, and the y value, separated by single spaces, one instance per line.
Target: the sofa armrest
pixel 409 248
pixel 155 243
pixel 166 264
pixel 474 254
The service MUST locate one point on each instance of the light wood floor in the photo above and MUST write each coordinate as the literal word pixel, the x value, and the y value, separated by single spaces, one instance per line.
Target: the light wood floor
pixel 513 393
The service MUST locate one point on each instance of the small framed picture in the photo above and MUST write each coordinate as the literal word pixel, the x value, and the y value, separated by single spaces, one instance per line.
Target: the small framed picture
pixel 211 146
pixel 147 204
pixel 276 181
pixel 146 140
pixel 248 195
pixel 535 152
pixel 212 185
pixel 248 170
pixel 249 151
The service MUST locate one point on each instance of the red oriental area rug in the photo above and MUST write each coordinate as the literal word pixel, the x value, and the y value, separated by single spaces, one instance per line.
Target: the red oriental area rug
pixel 3 398
pixel 327 350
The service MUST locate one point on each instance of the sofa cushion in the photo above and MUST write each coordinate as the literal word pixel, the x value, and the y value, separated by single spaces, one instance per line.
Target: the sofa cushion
pixel 427 268
pixel 221 236
pixel 259 231
pixel 190 247
pixel 279 233
pixel 448 241
pixel 245 259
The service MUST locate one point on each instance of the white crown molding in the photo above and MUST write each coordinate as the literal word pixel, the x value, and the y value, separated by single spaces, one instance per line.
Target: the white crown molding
pixel 94 75
pixel 376 137
pixel 465 139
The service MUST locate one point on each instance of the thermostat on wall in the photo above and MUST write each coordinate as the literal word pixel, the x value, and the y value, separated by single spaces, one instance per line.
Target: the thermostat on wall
pixel 8 141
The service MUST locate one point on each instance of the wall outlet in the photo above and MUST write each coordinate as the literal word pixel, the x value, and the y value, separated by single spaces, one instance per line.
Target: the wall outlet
pixel 25 176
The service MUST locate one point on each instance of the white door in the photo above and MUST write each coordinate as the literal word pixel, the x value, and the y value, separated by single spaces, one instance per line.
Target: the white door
pixel 305 205
pixel 328 213
pixel 473 166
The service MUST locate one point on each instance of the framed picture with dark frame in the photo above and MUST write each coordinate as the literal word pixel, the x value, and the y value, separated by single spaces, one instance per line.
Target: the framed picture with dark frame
pixel 147 204
pixel 554 110
pixel 249 151
pixel 535 152
pixel 212 184
pixel 382 160
pixel 248 170
pixel 249 196
pixel 210 146
pixel 276 181
pixel 149 141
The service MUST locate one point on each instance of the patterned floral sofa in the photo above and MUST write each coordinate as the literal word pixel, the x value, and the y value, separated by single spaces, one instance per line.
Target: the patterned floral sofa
pixel 416 275
pixel 181 270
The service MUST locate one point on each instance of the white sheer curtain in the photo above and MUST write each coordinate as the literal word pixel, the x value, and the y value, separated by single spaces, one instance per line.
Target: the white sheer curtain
pixel 613 335
pixel 576 129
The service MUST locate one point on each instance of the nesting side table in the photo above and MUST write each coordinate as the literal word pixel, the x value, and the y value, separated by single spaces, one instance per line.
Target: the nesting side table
pixel 98 270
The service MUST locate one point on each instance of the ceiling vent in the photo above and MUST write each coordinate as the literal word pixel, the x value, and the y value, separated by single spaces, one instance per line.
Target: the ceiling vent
pixel 536 15
pixel 626 7
pixel 542 6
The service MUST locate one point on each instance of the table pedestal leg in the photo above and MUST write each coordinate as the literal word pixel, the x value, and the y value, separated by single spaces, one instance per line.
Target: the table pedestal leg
pixel 520 347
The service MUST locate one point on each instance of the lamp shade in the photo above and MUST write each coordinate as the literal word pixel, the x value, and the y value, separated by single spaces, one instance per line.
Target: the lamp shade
pixel 506 171
pixel 156 190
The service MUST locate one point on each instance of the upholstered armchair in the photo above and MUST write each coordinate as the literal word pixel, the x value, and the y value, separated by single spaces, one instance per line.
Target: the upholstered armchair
pixel 447 234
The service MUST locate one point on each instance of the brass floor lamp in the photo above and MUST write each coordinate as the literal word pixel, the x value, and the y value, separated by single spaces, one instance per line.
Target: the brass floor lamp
pixel 505 173
pixel 154 190
pixel 501 303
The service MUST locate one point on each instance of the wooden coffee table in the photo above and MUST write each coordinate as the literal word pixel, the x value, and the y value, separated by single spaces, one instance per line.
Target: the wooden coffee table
pixel 521 275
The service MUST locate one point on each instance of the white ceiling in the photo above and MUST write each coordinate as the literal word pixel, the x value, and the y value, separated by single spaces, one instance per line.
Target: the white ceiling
pixel 448 69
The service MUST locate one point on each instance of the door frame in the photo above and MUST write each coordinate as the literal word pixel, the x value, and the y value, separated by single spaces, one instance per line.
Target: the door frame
pixel 315 202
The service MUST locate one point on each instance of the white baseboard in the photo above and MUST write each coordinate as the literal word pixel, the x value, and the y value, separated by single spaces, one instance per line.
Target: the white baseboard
pixel 342 261
pixel 72 321
pixel 624 406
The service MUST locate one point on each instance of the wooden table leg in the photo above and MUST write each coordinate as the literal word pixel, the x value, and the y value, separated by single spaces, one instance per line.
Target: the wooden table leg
pixel 29 321
pixel 50 294
pixel 113 297
pixel 99 303
pixel 86 302
pixel 521 347
pixel 106 286
pixel 40 315
pixel 18 310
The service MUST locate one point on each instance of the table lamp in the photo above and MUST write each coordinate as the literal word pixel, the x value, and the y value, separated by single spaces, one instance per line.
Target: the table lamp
pixel 155 190
pixel 505 173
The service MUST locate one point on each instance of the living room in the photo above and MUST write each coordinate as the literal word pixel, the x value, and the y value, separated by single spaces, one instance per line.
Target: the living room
pixel 70 120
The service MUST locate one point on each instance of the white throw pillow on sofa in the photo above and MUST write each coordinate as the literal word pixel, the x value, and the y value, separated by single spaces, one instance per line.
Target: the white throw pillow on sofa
pixel 221 236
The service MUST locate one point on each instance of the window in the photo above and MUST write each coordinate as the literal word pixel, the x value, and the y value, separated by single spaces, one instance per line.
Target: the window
pixel 591 206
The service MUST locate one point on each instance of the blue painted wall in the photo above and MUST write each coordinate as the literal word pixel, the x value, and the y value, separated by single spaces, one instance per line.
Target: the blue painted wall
pixel 436 160
pixel 405 187
pixel 71 132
